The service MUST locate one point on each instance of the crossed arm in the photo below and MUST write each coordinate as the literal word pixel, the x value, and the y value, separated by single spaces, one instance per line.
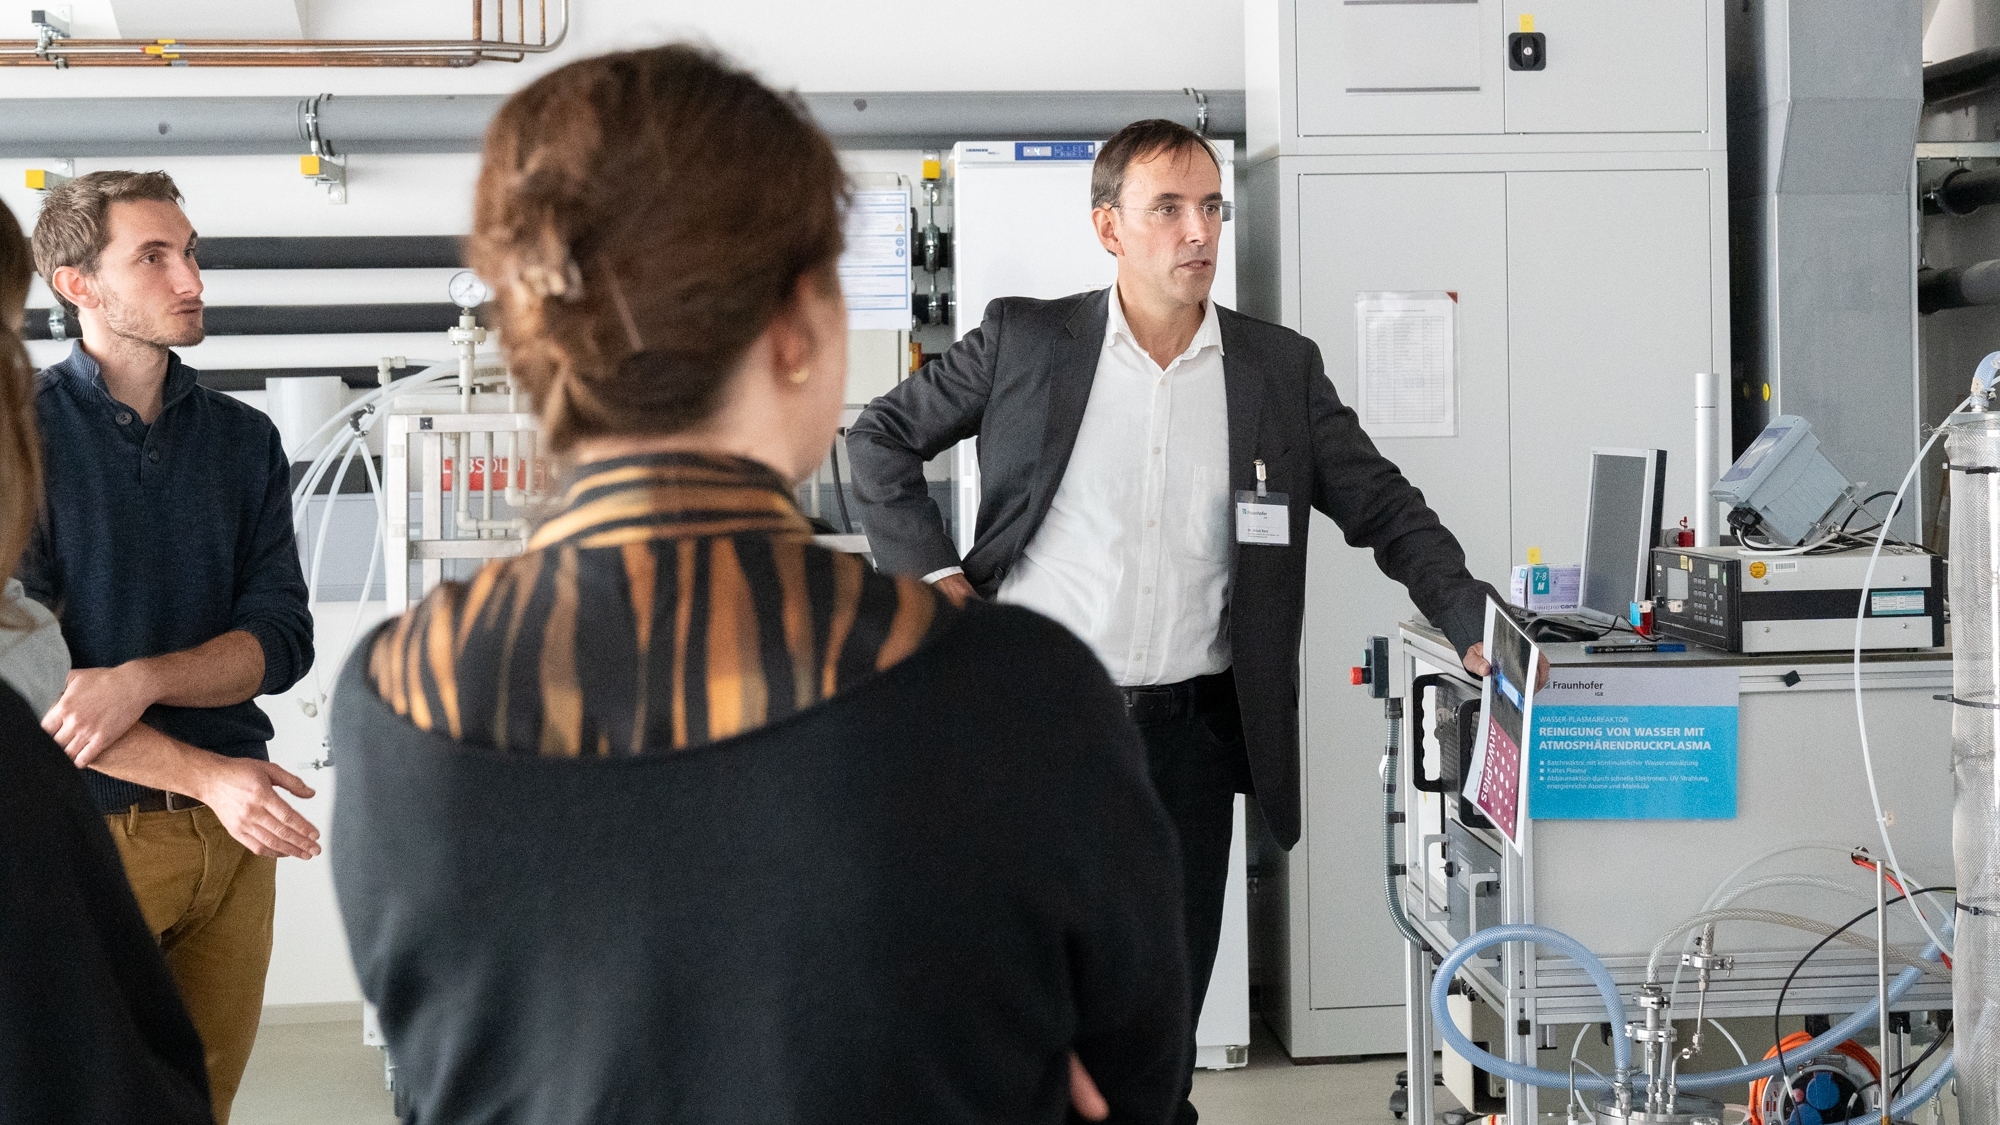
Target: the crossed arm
pixel 97 724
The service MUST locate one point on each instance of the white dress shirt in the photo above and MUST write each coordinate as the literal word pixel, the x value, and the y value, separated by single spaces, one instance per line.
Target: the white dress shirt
pixel 1134 554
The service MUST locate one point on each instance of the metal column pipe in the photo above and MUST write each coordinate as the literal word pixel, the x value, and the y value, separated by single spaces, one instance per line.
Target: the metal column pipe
pixel 262 126
pixel 1958 287
pixel 1707 394
pixel 155 127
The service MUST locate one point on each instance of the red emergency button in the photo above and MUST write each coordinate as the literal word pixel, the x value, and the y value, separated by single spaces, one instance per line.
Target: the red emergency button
pixel 1357 676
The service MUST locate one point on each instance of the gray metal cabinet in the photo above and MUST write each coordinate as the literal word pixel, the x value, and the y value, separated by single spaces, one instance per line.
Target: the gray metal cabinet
pixel 1610 312
pixel 1586 300
pixel 1341 76
pixel 1579 214
pixel 1387 232
pixel 1633 66
pixel 1393 68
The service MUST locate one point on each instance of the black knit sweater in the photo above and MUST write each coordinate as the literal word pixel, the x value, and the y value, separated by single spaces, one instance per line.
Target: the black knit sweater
pixel 908 903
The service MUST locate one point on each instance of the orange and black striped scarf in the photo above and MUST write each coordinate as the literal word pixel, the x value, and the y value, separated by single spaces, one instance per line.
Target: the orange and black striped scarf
pixel 675 600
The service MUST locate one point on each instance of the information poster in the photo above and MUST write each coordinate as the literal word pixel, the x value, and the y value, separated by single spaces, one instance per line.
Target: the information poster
pixel 1507 708
pixel 875 266
pixel 1626 743
pixel 1406 363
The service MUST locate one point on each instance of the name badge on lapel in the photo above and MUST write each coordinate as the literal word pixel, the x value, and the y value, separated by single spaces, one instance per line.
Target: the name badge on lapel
pixel 1263 517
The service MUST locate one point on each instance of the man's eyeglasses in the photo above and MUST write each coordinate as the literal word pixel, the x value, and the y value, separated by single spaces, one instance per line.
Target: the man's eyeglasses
pixel 1169 214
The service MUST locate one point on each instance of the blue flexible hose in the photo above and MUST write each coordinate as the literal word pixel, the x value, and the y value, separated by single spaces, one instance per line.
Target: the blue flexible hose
pixel 1927 1089
pixel 1614 1007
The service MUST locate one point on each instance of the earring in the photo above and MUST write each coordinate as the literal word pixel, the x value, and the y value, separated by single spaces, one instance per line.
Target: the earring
pixel 801 375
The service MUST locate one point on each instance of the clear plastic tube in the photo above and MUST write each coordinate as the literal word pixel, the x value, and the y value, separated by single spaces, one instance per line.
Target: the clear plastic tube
pixel 1729 880
pixel 1773 917
pixel 1860 707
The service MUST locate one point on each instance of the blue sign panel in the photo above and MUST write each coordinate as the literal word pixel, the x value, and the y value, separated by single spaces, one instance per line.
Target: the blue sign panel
pixel 1629 743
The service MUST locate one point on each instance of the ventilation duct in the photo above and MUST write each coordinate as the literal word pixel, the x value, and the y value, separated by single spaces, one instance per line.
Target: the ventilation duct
pixel 1822 137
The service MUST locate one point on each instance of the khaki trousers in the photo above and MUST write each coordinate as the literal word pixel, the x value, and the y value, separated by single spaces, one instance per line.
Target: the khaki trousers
pixel 208 901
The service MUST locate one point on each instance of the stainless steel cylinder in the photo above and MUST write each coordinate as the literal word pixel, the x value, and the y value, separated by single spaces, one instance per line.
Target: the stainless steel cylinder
pixel 1689 1109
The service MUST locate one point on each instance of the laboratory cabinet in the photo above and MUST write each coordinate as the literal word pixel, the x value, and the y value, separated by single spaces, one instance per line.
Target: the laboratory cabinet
pixel 1584 291
pixel 1328 76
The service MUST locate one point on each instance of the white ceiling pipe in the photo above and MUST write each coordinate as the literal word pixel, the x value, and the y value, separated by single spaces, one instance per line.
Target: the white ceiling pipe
pixel 124 127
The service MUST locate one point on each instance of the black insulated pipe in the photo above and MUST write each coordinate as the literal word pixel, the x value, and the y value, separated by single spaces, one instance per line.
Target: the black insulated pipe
pixel 372 252
pixel 1959 287
pixel 287 320
pixel 1967 74
pixel 1963 191
pixel 257 378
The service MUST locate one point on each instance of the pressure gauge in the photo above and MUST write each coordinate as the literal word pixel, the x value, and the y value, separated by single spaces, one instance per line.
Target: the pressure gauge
pixel 467 291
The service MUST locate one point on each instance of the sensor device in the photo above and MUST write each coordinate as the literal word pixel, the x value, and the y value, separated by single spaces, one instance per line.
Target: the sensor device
pixel 1783 486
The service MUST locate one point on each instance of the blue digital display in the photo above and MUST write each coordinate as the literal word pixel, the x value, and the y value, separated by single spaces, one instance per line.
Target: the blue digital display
pixel 1055 150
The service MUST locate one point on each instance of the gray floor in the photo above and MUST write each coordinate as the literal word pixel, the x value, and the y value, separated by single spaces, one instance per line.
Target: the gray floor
pixel 320 1074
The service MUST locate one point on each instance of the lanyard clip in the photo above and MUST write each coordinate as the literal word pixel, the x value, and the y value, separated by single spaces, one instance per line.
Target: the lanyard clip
pixel 1260 476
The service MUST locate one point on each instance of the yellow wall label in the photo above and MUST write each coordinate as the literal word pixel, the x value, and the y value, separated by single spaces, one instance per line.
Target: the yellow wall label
pixel 1757 570
pixel 1527 23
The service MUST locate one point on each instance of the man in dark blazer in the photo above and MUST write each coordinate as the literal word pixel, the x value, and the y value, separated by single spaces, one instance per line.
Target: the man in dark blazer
pixel 1120 434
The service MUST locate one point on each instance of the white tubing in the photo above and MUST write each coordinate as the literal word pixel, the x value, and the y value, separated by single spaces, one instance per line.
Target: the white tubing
pixel 1729 880
pixel 1740 1056
pixel 1860 707
pixel 1775 918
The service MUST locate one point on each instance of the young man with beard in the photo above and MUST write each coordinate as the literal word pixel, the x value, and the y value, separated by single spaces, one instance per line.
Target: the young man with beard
pixel 166 551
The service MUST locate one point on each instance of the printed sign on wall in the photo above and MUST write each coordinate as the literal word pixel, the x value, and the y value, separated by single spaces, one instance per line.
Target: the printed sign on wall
pixel 1626 743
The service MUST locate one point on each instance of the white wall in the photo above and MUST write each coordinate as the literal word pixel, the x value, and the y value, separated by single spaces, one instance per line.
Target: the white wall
pixel 857 45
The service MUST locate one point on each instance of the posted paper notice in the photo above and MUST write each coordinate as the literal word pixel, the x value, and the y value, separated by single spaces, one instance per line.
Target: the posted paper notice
pixel 1406 363
pixel 875 266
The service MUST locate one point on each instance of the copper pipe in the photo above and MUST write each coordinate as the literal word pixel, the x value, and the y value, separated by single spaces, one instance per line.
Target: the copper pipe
pixel 153 49
pixel 285 52
pixel 358 60
pixel 544 6
pixel 521 18
pixel 500 20
pixel 479 19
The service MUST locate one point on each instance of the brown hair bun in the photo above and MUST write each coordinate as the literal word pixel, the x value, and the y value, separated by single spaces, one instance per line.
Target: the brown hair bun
pixel 642 217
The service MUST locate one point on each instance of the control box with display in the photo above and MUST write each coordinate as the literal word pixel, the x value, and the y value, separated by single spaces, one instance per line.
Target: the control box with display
pixel 1738 601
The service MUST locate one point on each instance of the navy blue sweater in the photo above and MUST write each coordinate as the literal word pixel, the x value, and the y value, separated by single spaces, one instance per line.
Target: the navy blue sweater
pixel 156 539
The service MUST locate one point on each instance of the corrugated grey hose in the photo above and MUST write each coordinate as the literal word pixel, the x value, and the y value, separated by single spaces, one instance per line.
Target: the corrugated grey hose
pixel 1391 869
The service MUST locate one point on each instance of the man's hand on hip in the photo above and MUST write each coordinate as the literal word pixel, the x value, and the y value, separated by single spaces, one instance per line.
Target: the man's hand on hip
pixel 98 706
pixel 243 793
pixel 955 587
